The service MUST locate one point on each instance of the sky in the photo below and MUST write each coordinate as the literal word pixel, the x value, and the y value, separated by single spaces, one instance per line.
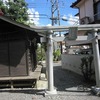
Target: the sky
pixel 40 12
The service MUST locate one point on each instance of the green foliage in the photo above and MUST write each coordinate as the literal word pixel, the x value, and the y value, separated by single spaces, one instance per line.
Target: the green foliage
pixel 41 53
pixel 86 68
pixel 16 10
pixel 3 7
pixel 56 55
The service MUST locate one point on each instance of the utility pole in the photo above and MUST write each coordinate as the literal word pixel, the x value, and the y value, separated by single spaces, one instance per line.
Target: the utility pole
pixel 54 17
pixel 53 9
pixel 58 12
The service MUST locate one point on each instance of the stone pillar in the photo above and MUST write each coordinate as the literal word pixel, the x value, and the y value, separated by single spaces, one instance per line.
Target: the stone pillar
pixel 49 65
pixel 96 57
pixel 96 89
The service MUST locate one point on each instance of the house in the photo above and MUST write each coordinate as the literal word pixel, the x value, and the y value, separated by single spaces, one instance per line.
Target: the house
pixel 89 11
pixel 18 57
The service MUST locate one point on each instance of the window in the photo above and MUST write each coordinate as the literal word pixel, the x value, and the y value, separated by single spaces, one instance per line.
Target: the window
pixel 97 10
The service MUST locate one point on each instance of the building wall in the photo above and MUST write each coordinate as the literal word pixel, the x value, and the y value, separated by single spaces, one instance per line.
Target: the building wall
pixel 73 62
pixel 82 11
pixel 13 58
pixel 86 10
pixel 17 57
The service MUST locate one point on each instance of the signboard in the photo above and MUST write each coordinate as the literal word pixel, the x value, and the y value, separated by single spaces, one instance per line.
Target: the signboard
pixel 73 33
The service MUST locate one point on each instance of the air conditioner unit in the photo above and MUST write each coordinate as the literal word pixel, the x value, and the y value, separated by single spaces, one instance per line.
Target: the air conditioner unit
pixel 85 20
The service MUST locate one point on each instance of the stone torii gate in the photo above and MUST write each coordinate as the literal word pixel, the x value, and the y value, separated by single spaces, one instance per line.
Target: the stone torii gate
pixel 49 31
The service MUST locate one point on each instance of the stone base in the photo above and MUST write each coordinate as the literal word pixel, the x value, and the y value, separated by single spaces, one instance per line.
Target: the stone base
pixel 95 90
pixel 50 92
pixel 41 84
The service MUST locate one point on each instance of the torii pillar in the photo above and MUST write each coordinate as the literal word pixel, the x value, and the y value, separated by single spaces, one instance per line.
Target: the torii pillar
pixel 96 89
pixel 49 64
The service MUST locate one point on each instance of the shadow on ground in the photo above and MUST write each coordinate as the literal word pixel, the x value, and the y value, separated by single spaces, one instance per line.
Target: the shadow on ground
pixel 64 79
pixel 25 91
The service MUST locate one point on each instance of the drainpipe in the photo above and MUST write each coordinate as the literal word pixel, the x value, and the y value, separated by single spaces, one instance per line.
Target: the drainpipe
pixel 49 65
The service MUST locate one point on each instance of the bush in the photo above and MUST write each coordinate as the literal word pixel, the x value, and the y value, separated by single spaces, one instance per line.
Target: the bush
pixel 56 55
pixel 86 67
pixel 40 53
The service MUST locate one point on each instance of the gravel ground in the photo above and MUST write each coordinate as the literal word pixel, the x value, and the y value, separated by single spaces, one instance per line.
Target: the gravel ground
pixel 69 85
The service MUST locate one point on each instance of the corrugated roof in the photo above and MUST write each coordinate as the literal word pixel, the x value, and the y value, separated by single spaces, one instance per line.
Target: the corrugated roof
pixel 34 28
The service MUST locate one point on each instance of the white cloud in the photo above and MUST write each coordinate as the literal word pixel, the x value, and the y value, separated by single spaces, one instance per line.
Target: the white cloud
pixel 49 25
pixel 33 16
pixel 71 20
pixel 44 24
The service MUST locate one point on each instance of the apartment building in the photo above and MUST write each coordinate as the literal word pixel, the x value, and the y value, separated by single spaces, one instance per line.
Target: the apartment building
pixel 89 11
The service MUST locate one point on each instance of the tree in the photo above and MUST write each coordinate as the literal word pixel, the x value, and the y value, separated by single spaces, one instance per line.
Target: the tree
pixel 16 10
pixel 3 7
